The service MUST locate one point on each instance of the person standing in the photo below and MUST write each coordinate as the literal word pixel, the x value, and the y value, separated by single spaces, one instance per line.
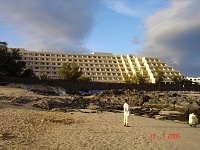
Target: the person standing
pixel 126 113
pixel 193 120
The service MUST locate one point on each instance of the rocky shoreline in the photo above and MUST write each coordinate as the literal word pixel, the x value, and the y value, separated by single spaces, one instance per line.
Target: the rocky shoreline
pixel 174 105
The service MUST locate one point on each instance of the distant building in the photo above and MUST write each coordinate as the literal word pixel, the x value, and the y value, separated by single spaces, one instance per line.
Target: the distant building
pixel 194 79
pixel 101 67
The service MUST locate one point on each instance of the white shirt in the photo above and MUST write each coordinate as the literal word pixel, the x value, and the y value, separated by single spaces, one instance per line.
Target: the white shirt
pixel 126 109
pixel 193 119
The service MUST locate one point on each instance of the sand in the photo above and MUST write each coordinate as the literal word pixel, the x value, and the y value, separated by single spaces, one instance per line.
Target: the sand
pixel 31 129
pixel 24 128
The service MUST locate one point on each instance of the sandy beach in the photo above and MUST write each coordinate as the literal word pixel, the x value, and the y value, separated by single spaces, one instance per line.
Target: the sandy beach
pixel 31 129
pixel 22 128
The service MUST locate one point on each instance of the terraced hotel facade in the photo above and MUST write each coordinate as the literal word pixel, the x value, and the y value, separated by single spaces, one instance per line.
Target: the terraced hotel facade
pixel 101 67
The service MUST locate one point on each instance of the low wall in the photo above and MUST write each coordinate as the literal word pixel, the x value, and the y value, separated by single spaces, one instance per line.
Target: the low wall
pixel 86 86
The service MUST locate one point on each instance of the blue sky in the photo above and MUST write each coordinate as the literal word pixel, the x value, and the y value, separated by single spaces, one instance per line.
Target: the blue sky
pixel 120 27
pixel 167 29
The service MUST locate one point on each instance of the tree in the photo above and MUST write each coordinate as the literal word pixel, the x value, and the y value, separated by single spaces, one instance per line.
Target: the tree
pixel 138 78
pixel 10 61
pixel 127 79
pixel 181 80
pixel 28 73
pixel 141 79
pixel 43 75
pixel 83 78
pixel 70 71
pixel 160 76
pixel 185 81
pixel 177 79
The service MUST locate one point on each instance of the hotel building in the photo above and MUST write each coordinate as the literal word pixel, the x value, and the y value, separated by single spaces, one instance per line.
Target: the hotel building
pixel 101 67
pixel 194 79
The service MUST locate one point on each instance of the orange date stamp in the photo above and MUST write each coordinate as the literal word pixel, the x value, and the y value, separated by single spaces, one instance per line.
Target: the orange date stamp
pixel 170 136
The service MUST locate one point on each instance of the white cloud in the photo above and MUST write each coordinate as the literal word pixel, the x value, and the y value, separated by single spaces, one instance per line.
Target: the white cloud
pixel 47 24
pixel 120 6
pixel 172 34
pixel 135 8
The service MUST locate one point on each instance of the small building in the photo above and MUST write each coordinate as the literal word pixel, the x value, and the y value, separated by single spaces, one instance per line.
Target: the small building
pixel 194 79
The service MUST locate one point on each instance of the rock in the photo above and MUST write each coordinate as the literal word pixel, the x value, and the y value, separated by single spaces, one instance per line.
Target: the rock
pixel 145 116
pixel 87 111
pixel 92 106
pixel 42 120
pixel 167 113
pixel 173 117
pixel 56 109
pixel 160 117
pixel 154 109
pixel 21 100
pixel 44 104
